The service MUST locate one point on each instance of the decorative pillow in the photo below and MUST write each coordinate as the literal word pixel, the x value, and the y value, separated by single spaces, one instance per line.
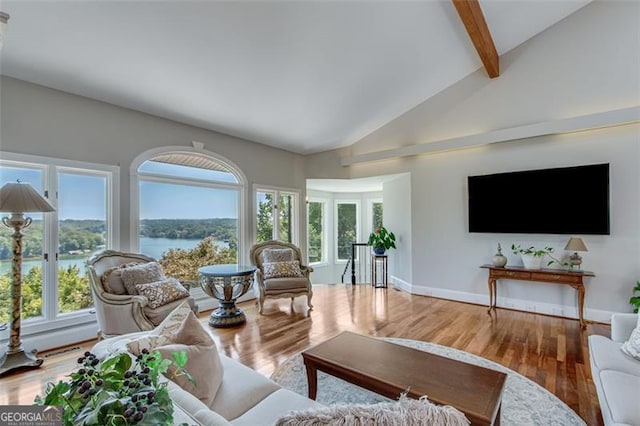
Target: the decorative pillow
pixel 289 269
pixel 160 335
pixel 203 360
pixel 405 411
pixel 141 273
pixel 277 255
pixel 162 292
pixel 632 346
pixel 112 279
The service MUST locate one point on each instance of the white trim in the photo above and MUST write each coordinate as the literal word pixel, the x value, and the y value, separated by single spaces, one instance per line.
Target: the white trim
pixel 295 209
pixel 580 123
pixel 325 231
pixel 566 311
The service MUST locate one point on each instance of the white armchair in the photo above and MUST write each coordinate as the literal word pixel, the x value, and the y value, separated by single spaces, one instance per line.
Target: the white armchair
pixel 117 311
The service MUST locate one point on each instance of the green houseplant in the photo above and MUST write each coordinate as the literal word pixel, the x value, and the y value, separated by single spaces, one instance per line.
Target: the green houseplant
pixel 635 300
pixel 531 256
pixel 116 391
pixel 381 239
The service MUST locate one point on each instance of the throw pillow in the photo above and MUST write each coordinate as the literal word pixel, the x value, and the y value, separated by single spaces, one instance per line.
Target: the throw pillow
pixel 112 279
pixel 160 335
pixel 142 273
pixel 277 255
pixel 203 360
pixel 289 269
pixel 162 292
pixel 405 411
pixel 632 346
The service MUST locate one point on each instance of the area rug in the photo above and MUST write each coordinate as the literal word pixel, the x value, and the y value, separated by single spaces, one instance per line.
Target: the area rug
pixel 523 401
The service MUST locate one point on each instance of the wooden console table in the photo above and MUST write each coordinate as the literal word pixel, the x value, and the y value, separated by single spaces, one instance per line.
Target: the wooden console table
pixel 555 276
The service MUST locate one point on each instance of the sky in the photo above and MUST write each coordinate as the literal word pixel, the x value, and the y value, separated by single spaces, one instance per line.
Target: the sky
pixel 84 197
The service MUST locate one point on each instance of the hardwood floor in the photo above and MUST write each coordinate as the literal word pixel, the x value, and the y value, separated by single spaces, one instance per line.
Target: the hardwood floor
pixel 550 351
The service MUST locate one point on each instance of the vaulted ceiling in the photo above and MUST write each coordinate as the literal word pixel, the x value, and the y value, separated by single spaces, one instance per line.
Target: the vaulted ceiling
pixel 306 76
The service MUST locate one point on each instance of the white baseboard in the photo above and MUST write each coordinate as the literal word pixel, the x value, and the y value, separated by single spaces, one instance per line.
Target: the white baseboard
pixel 504 302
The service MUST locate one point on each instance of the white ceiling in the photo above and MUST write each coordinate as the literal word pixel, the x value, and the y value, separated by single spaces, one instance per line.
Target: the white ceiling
pixel 306 76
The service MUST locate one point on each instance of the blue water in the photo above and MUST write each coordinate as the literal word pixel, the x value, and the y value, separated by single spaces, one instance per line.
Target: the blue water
pixel 153 247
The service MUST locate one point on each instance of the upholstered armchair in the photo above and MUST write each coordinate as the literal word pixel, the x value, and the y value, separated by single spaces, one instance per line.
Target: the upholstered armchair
pixel 117 310
pixel 280 272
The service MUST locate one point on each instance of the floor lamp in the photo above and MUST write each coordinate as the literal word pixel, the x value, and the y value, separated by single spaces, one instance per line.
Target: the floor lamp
pixel 19 198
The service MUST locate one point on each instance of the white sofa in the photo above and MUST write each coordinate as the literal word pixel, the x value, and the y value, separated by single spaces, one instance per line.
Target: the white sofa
pixel 245 396
pixel 616 375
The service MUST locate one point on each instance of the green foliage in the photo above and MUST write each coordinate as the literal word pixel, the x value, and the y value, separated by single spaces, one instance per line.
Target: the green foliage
pixel 377 215
pixel 73 292
pixel 222 229
pixel 285 213
pixel 314 230
pixel 635 300
pixel 382 238
pixel 347 229
pixel 183 264
pixel 265 219
pixel 116 391
pixel 531 251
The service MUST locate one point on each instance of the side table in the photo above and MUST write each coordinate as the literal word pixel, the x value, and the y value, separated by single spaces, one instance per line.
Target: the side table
pixel 379 261
pixel 226 283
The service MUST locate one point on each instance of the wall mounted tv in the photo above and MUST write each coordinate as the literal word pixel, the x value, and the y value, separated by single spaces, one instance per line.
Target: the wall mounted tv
pixel 567 200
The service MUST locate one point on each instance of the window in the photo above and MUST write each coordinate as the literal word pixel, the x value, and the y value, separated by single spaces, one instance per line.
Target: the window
pixel 57 245
pixel 376 215
pixel 316 231
pixel 276 220
pixel 188 209
pixel 347 228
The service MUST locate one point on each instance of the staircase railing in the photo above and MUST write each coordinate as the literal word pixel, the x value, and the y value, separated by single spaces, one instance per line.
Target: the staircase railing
pixel 360 263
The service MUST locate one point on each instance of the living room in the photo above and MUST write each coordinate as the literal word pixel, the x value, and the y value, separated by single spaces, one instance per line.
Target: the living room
pixel 563 98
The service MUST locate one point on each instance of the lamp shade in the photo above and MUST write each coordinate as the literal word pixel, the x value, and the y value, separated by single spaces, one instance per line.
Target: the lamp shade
pixel 18 197
pixel 575 244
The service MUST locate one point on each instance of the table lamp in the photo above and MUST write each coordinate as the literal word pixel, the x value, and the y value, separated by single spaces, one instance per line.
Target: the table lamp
pixel 575 245
pixel 18 198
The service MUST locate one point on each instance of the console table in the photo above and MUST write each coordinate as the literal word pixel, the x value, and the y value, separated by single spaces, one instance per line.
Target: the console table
pixel 554 276
pixel 226 283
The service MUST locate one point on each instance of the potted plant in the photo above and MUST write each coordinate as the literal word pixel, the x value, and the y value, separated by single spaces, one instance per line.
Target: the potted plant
pixel 117 390
pixel 381 240
pixel 531 256
pixel 635 300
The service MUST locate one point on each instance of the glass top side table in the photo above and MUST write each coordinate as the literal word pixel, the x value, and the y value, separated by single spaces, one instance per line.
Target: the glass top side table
pixel 226 283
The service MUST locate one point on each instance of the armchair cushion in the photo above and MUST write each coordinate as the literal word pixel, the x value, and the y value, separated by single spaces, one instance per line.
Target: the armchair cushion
pixel 141 274
pixel 632 346
pixel 160 293
pixel 289 269
pixel 277 255
pixel 112 279
pixel 286 284
pixel 159 314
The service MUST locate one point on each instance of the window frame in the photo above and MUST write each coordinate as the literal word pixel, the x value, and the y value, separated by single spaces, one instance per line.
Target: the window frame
pixel 336 221
pixel 137 177
pixel 51 319
pixel 325 231
pixel 295 220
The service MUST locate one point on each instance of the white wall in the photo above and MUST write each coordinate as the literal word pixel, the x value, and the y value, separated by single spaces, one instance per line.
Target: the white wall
pixel 398 219
pixel 587 63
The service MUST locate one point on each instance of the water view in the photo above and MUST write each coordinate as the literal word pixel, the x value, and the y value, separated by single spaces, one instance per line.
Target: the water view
pixel 153 247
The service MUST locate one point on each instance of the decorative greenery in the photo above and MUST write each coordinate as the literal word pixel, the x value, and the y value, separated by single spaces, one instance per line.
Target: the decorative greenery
pixel 635 300
pixel 117 391
pixel 531 251
pixel 382 238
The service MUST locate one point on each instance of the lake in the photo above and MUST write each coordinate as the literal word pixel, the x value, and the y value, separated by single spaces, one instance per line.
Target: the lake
pixel 153 247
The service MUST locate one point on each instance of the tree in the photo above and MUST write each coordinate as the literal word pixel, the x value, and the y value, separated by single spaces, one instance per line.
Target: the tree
pixel 265 219
pixel 347 229
pixel 183 264
pixel 315 231
pixel 377 216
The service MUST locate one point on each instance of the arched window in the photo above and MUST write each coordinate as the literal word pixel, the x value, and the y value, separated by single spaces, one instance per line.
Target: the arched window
pixel 188 209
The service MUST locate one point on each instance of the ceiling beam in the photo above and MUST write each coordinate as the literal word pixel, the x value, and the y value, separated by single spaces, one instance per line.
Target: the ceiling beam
pixel 473 20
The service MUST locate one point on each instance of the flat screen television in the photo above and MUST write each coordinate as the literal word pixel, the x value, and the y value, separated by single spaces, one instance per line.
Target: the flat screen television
pixel 567 200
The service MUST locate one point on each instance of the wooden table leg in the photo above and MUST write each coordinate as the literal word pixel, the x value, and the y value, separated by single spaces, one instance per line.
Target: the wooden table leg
pixel 492 294
pixel 583 325
pixel 312 381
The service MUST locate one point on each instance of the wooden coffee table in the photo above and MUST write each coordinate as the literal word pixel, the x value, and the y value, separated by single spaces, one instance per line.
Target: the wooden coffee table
pixel 390 369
